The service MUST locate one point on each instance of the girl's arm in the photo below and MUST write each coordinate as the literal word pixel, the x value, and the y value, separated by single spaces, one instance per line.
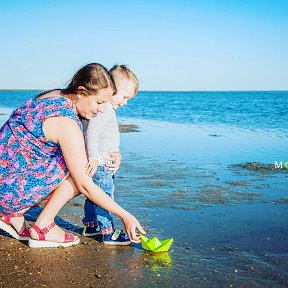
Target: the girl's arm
pixel 67 134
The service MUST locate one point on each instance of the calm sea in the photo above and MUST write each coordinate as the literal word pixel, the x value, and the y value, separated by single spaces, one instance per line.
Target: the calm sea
pixel 249 110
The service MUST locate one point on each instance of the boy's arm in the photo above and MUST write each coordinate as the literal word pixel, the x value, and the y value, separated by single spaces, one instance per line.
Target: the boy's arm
pixel 91 134
pixel 111 137
pixel 92 137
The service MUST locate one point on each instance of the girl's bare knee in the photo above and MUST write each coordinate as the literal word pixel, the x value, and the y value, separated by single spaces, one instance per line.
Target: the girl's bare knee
pixel 66 186
pixel 44 201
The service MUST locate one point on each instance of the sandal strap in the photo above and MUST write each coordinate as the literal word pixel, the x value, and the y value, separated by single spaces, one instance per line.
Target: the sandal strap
pixel 41 232
pixel 48 228
pixel 69 237
pixel 7 219
pixel 16 215
pixel 25 233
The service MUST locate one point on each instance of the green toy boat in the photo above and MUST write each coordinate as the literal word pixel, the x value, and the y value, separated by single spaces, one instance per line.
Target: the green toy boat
pixel 155 244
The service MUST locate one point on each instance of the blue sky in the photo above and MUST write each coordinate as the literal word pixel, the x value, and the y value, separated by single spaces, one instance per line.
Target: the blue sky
pixel 170 45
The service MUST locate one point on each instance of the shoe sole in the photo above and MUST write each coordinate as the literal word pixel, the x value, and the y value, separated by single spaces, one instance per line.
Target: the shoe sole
pixel 91 234
pixel 117 243
pixel 32 243
pixel 8 229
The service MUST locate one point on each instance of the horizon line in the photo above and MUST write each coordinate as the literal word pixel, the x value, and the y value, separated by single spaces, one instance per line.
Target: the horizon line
pixel 182 91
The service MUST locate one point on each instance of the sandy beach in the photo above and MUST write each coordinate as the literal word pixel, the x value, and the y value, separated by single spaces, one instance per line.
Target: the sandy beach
pixel 228 220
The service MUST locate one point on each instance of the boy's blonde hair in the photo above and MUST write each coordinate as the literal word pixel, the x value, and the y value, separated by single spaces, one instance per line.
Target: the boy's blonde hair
pixel 120 72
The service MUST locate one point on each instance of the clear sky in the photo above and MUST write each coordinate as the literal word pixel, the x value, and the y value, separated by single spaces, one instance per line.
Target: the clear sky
pixel 170 45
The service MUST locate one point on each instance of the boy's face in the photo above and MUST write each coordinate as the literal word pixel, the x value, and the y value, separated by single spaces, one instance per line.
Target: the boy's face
pixel 125 91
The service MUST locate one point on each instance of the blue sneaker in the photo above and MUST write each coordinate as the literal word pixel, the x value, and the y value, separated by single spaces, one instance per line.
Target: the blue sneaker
pixel 118 237
pixel 91 231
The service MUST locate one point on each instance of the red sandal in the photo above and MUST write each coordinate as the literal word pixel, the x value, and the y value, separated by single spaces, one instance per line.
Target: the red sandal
pixel 70 239
pixel 5 225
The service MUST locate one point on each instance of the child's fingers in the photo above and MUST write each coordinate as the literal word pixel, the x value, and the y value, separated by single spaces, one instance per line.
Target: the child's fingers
pixel 113 166
pixel 114 159
pixel 113 169
pixel 110 158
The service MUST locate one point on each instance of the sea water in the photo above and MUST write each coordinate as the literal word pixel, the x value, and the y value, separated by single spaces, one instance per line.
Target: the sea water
pixel 251 110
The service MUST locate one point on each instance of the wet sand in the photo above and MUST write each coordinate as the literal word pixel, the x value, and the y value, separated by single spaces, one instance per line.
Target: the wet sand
pixel 228 220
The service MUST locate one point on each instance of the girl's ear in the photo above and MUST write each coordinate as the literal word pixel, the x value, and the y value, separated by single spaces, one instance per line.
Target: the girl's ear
pixel 80 90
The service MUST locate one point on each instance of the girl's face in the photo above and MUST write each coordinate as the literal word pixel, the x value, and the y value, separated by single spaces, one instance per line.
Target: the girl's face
pixel 125 91
pixel 88 106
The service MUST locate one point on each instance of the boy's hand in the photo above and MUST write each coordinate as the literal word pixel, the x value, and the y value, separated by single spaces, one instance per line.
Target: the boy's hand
pixel 115 157
pixel 91 167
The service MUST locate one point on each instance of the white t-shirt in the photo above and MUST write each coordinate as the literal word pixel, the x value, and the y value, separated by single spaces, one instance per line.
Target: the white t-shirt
pixel 102 134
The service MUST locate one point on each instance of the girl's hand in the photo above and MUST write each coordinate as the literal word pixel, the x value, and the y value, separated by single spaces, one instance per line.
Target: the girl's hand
pixel 131 224
pixel 115 157
pixel 91 167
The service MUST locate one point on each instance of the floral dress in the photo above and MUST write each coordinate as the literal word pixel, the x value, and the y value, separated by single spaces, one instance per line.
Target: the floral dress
pixel 31 166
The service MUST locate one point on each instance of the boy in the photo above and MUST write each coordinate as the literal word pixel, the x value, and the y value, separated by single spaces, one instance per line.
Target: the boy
pixel 103 139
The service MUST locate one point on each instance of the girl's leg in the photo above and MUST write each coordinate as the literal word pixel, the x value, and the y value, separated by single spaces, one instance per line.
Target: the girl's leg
pixel 18 223
pixel 64 192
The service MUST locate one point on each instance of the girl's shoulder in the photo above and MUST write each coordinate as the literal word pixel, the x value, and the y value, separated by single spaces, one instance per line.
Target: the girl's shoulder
pixel 52 103
pixel 48 94
pixel 49 105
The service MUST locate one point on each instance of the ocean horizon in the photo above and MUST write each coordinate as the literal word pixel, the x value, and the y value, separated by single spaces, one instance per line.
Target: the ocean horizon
pixel 246 109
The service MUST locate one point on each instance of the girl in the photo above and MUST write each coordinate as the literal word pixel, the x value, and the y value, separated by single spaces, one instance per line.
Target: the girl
pixel 42 152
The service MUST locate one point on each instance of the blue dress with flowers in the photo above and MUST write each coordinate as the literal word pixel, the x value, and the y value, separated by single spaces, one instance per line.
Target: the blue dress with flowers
pixel 31 166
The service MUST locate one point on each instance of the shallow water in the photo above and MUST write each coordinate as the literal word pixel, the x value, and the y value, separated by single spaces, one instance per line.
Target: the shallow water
pixel 207 143
pixel 228 223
